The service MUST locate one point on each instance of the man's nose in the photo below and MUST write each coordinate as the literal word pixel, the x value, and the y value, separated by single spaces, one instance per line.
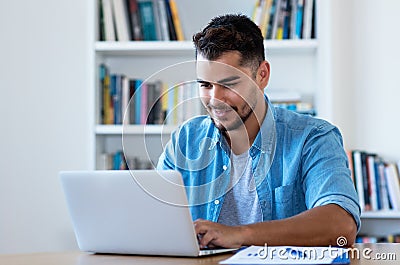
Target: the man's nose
pixel 219 92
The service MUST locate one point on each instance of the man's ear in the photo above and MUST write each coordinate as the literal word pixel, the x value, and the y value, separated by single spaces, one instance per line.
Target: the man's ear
pixel 263 74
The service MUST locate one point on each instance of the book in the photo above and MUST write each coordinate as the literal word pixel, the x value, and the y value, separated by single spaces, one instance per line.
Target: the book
pixel 257 10
pixel 107 101
pixel 143 112
pixel 308 19
pixel 163 20
pixel 392 181
pixel 277 11
pixel 154 103
pixel 176 20
pixel 134 18
pixel 101 32
pixel 137 99
pixel 372 181
pixel 147 19
pixel 350 162
pixel 365 181
pixel 358 177
pixel 297 31
pixel 272 14
pixel 171 27
pixel 383 191
pixel 287 6
pixel 115 87
pixel 125 100
pixel 156 16
pixel 121 20
pixel 131 105
pixel 103 72
pixel 266 16
pixel 108 20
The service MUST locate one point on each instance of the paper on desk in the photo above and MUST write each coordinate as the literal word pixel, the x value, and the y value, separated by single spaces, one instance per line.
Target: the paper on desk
pixel 289 255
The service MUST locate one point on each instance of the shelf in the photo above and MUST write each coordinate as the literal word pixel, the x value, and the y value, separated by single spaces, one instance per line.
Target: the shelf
pixel 162 48
pixel 381 215
pixel 133 129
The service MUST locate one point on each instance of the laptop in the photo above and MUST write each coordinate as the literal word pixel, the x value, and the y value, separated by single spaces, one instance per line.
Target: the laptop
pixel 140 212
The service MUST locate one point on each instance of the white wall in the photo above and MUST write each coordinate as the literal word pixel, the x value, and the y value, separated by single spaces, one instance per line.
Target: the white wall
pixel 45 113
pixel 365 74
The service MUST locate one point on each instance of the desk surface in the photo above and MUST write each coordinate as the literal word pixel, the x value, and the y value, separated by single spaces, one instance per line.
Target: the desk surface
pixel 368 254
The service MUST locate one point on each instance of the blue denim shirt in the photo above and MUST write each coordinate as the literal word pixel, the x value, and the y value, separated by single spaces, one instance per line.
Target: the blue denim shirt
pixel 298 163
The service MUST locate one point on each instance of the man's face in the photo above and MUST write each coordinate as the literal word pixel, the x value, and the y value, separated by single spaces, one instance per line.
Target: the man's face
pixel 227 90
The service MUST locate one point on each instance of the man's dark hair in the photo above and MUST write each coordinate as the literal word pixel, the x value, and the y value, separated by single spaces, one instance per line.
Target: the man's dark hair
pixel 231 32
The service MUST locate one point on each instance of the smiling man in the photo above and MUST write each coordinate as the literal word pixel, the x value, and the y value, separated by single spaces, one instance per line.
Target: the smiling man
pixel 254 173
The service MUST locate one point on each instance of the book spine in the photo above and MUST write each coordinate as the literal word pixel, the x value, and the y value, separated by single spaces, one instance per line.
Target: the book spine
pixel 392 180
pixel 125 100
pixel 307 19
pixel 156 16
pixel 370 164
pixel 108 20
pixel 365 181
pixel 162 13
pixel 277 12
pixel 143 103
pixel 134 18
pixel 131 104
pixel 266 18
pixel 358 174
pixel 138 97
pixel 121 20
pixel 171 27
pixel 176 20
pixel 147 19
pixel 299 19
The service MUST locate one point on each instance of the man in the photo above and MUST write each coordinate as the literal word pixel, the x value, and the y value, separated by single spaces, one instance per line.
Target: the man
pixel 254 173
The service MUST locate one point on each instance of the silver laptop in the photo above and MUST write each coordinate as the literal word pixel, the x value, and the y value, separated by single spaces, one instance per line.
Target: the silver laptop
pixel 131 212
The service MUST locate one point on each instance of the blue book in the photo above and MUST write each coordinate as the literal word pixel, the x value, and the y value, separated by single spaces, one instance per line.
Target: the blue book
pixel 147 19
pixel 137 99
pixel 299 19
pixel 116 92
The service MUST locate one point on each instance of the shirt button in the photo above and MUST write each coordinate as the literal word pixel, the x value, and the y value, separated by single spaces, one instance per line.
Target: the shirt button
pixel 224 167
pixel 216 202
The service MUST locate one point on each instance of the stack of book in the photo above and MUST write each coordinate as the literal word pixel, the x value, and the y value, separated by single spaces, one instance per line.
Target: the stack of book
pixel 285 19
pixel 127 100
pixel 118 161
pixel 378 239
pixel 291 100
pixel 376 181
pixel 137 20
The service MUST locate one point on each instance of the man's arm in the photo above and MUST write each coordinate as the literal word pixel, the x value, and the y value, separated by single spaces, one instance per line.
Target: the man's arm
pixel 319 226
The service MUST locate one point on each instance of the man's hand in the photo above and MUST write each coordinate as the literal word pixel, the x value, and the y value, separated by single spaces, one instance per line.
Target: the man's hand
pixel 213 234
pixel 319 226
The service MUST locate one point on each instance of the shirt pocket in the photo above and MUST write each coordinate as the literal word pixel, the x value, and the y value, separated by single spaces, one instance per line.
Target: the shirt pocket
pixel 285 201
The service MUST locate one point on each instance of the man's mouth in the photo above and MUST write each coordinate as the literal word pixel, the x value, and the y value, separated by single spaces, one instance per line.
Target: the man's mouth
pixel 220 113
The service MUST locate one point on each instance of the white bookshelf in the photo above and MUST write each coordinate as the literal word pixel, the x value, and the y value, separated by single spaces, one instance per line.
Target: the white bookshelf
pixel 302 66
pixel 380 223
pixel 133 129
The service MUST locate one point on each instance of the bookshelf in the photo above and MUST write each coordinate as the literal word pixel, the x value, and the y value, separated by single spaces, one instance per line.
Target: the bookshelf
pixel 302 66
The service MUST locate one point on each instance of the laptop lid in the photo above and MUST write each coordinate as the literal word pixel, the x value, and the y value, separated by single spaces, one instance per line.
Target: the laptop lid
pixel 130 212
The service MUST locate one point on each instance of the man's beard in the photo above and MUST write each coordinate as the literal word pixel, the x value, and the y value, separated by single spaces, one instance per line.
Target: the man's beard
pixel 239 119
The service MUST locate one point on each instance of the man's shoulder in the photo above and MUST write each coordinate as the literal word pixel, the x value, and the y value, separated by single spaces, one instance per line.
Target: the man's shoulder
pixel 296 121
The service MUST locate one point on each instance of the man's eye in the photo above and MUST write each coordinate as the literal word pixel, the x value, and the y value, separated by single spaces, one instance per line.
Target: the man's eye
pixel 230 85
pixel 205 85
